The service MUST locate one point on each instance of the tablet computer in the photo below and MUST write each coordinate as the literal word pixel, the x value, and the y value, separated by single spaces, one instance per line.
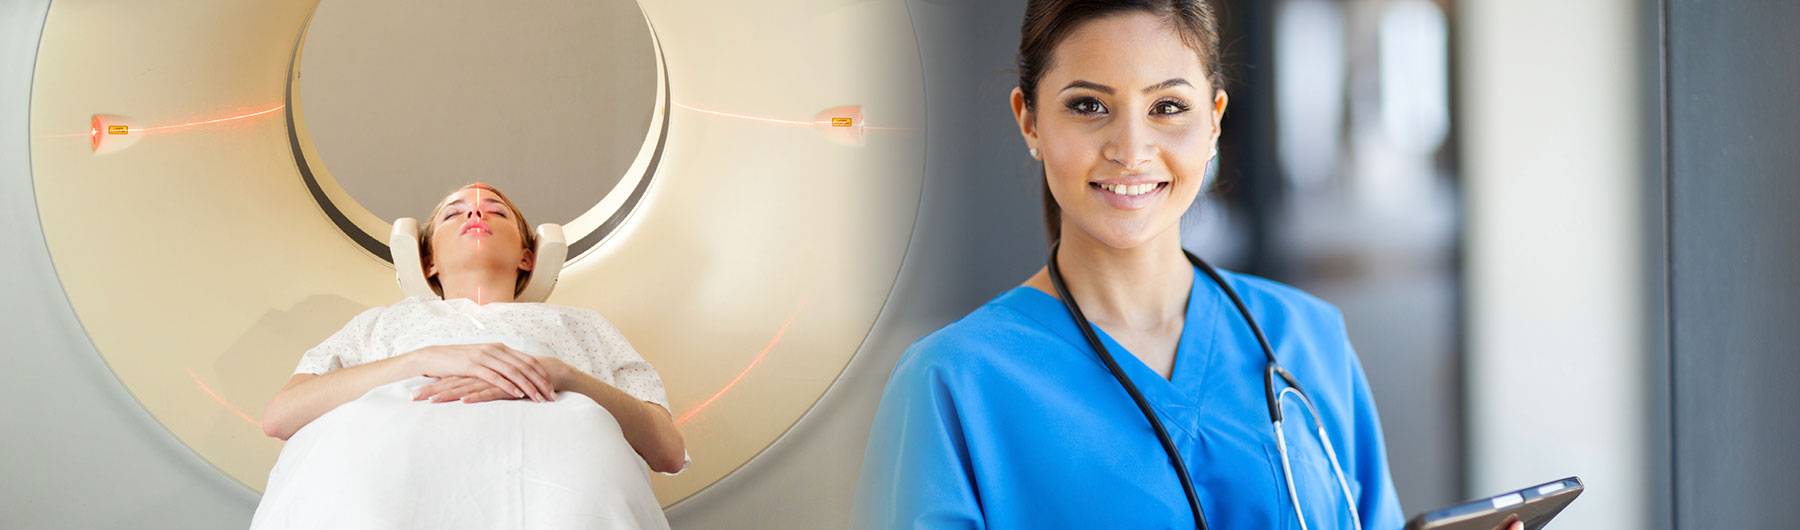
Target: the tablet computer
pixel 1534 506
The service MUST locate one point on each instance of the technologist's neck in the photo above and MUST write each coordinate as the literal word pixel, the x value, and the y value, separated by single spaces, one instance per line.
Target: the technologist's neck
pixel 1135 286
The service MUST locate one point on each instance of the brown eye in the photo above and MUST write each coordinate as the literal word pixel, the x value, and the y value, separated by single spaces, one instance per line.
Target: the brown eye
pixel 1087 106
pixel 1169 107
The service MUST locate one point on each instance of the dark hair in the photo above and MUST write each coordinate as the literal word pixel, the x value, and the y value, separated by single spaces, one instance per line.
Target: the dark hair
pixel 1048 22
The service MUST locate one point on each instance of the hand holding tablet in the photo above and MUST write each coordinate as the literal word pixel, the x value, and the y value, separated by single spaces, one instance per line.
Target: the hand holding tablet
pixel 1532 507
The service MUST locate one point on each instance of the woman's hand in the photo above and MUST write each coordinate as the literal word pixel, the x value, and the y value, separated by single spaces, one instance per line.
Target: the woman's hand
pixel 461 388
pixel 506 370
pixel 476 390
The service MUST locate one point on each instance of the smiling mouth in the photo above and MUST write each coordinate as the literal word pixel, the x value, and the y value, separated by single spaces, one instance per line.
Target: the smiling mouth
pixel 1130 190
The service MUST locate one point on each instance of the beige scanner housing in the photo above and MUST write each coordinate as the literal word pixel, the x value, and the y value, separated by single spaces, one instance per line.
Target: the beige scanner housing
pixel 745 254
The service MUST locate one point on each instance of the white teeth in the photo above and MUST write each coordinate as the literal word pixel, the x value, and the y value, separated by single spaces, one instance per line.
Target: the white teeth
pixel 1135 189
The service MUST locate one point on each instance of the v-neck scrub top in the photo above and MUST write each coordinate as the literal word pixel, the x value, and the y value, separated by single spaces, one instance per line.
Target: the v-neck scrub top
pixel 1008 419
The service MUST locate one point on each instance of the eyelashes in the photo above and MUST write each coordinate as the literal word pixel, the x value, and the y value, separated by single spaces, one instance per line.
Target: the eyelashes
pixel 1089 106
pixel 1085 106
pixel 1170 107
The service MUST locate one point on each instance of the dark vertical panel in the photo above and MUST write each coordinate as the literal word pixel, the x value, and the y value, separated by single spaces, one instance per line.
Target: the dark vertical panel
pixel 1734 251
pixel 1249 168
pixel 1658 430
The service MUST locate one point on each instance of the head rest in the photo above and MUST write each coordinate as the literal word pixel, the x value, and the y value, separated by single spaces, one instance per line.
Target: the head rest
pixel 409 270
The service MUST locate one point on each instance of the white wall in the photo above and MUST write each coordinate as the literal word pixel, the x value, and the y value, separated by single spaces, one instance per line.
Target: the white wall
pixel 1549 99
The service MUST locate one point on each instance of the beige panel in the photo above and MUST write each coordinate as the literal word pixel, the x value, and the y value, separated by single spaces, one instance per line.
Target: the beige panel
pixel 200 267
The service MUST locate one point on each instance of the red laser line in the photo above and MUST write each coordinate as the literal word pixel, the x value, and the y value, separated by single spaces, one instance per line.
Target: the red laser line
pixel 689 415
pixel 140 130
pixel 212 121
pixel 778 121
pixel 221 401
pixel 476 208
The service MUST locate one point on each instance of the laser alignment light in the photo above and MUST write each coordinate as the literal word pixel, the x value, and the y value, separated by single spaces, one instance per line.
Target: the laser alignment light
pixel 842 124
pixel 109 133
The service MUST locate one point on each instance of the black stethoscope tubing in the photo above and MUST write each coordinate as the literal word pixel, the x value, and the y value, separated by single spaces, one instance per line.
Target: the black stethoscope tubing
pixel 1273 370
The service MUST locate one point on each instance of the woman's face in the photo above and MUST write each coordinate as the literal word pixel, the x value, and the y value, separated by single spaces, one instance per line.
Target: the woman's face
pixel 1125 122
pixel 475 230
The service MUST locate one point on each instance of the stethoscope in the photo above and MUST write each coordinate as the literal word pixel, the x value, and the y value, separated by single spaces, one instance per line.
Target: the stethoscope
pixel 1274 398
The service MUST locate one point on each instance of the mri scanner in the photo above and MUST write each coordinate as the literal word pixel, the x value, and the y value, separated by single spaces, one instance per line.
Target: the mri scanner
pixel 207 188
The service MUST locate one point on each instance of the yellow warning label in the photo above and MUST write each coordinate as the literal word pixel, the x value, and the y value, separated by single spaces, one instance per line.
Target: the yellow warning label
pixel 118 129
pixel 840 122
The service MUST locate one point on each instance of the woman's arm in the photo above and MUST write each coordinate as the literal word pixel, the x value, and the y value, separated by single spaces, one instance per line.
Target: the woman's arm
pixel 647 426
pixel 307 396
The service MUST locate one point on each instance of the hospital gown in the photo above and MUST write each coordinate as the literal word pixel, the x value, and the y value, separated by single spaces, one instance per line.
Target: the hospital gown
pixel 386 461
pixel 1008 419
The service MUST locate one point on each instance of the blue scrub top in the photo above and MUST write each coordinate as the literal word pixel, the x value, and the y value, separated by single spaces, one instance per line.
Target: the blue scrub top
pixel 1008 419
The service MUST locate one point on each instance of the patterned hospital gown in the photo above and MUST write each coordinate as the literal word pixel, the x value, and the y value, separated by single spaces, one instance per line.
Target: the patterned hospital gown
pixel 579 336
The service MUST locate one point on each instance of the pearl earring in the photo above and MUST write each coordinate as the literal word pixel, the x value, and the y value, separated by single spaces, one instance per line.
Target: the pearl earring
pixel 1034 152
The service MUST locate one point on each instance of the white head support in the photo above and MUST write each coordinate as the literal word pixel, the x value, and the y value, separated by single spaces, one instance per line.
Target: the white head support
pixel 409 270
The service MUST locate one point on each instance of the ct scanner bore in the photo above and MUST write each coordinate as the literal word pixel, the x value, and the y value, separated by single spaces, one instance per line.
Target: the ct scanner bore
pixel 389 98
pixel 752 267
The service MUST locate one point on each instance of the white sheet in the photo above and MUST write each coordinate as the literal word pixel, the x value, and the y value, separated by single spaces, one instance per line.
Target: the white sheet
pixel 386 461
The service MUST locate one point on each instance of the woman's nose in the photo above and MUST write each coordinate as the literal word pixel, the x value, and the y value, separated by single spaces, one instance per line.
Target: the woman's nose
pixel 1131 146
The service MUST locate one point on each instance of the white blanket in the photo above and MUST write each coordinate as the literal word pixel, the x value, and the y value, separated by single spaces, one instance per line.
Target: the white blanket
pixel 386 461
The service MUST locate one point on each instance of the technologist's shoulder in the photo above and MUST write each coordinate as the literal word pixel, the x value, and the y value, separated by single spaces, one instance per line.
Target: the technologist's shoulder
pixel 1279 304
pixel 980 342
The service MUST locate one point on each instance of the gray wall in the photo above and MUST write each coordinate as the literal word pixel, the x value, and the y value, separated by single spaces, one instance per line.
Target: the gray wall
pixel 1733 151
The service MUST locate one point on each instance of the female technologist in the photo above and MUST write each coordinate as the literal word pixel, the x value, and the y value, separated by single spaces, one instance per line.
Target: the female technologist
pixel 1168 410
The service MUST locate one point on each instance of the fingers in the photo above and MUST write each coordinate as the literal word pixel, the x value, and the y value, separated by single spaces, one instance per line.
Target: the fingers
pixel 462 385
pixel 425 391
pixel 489 374
pixel 514 374
pixel 437 386
pixel 524 358
pixel 466 390
pixel 532 376
pixel 453 393
pixel 545 384
pixel 490 394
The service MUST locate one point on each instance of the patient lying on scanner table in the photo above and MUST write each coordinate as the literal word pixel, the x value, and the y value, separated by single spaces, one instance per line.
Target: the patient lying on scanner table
pixel 479 409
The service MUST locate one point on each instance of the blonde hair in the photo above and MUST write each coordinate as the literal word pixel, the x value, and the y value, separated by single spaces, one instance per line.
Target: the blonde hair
pixel 529 238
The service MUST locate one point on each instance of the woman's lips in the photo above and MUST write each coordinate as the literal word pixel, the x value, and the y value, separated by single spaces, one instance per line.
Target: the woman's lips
pixel 481 227
pixel 1128 195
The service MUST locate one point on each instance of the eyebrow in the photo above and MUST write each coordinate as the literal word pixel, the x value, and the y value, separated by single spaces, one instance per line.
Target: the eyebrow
pixel 483 199
pixel 1097 87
